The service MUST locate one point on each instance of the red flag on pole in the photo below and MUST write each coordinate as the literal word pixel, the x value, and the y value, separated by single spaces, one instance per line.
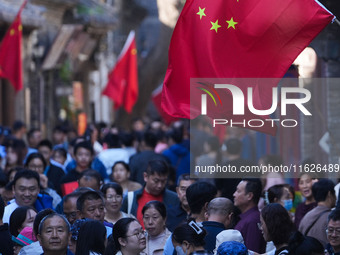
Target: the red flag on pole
pixel 10 53
pixel 122 86
pixel 237 39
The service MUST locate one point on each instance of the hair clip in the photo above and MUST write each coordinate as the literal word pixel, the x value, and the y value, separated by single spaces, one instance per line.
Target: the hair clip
pixel 195 227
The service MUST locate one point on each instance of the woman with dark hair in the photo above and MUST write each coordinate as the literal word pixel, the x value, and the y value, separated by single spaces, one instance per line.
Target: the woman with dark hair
pixel 304 245
pixel 91 239
pixel 113 194
pixel 128 237
pixel 20 218
pixel 36 162
pixel 121 175
pixel 16 151
pixel 305 183
pixel 188 239
pixel 276 226
pixel 154 218
pixel 281 194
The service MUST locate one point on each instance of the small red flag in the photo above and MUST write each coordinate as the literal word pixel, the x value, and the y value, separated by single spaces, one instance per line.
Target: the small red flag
pixel 237 39
pixel 10 53
pixel 122 86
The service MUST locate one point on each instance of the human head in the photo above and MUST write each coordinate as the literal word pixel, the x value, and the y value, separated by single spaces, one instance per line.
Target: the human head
pixel 54 233
pixel 90 178
pixel 113 194
pixel 59 134
pixel 36 162
pixel 120 172
pixel 199 194
pixel 304 245
pixel 19 129
pixel 26 187
pixel 221 210
pixel 234 146
pixel 150 139
pixel 112 140
pixel 183 182
pixel 34 137
pixel 333 229
pixel 59 155
pixel 92 237
pixel 280 193
pixel 128 235
pixel 276 224
pixel 232 248
pixel 70 206
pixel 156 177
pixel 83 153
pixel 248 193
pixel 16 151
pixel 39 217
pixel 323 191
pixel 305 183
pixel 154 217
pixel 91 205
pixel 22 216
pixel 45 148
pixel 187 237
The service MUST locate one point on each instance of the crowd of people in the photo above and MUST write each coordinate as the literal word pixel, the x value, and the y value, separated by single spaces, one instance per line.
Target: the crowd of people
pixel 110 191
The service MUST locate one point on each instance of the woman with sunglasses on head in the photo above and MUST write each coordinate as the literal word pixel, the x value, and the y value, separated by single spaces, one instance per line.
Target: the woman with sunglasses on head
pixel 188 239
pixel 128 237
pixel 154 218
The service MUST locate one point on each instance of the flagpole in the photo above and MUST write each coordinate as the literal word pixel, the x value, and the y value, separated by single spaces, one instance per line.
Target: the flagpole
pixel 337 21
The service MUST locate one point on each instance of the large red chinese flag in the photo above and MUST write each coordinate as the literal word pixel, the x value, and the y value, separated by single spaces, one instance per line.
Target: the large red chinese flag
pixel 10 53
pixel 237 39
pixel 122 86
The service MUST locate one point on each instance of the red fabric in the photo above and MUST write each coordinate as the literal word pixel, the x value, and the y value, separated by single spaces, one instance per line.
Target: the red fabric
pixel 10 53
pixel 122 86
pixel 267 38
pixel 146 197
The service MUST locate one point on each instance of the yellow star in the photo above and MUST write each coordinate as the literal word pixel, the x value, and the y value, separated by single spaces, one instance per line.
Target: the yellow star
pixel 20 27
pixel 134 51
pixel 201 12
pixel 215 26
pixel 12 32
pixel 231 23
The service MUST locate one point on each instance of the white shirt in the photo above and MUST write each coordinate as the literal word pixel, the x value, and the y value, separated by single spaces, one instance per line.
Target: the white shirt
pixel 8 210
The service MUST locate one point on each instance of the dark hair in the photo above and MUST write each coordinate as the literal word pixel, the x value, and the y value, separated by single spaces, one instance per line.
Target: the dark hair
pixel 17 218
pixel 122 163
pixel 85 144
pixel 3 179
pixel 35 155
pixel 159 206
pixel 60 128
pixel 334 215
pixel 150 138
pixel 157 166
pixel 278 222
pixel 2 207
pixel 27 174
pixel 93 174
pixel 112 140
pixel 89 195
pixel 198 194
pixel 275 191
pixel 61 151
pixel 234 146
pixel 17 125
pixel 321 188
pixel 92 235
pixel 110 247
pixel 185 177
pixel 42 222
pixel 45 143
pixel 31 132
pixel 20 148
pixel 176 134
pixel 38 218
pixel 190 232
pixel 73 194
pixel 304 245
pixel 112 185
pixel 127 138
pixel 119 230
pixel 254 185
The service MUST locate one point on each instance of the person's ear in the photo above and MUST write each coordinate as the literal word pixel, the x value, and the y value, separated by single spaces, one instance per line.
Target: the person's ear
pixel 250 196
pixel 186 245
pixel 122 241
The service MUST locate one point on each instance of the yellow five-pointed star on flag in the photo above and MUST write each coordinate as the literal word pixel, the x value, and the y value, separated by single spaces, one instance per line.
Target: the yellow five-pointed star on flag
pixel 215 26
pixel 201 12
pixel 231 23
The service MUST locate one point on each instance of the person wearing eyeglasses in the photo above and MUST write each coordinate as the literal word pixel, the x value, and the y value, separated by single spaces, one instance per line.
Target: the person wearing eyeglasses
pixel 113 194
pixel 333 233
pixel 188 239
pixel 154 218
pixel 128 237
